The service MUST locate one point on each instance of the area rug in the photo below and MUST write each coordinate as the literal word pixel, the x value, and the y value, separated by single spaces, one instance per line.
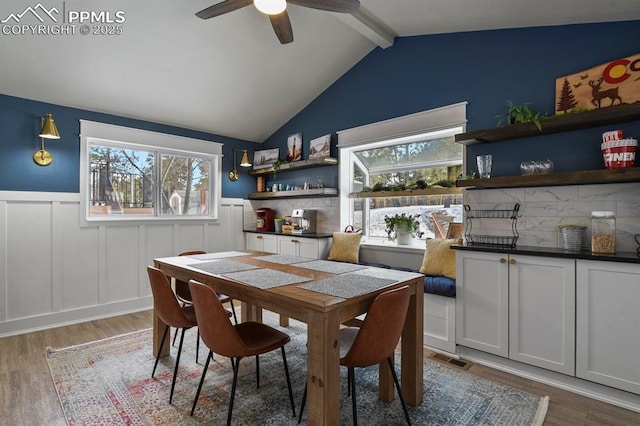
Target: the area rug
pixel 108 382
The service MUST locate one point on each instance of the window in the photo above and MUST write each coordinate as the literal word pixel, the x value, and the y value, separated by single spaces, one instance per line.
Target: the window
pixel 130 174
pixel 408 152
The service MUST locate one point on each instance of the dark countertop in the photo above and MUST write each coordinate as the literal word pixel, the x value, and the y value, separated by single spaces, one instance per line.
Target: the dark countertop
pixel 622 256
pixel 305 235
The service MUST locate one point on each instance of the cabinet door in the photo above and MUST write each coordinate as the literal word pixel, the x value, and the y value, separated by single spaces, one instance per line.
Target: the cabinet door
pixel 261 242
pixel 288 245
pixel 308 247
pixel 482 301
pixel 254 241
pixel 542 312
pixel 608 323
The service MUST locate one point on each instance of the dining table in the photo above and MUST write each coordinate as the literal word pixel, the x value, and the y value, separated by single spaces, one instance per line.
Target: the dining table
pixel 321 293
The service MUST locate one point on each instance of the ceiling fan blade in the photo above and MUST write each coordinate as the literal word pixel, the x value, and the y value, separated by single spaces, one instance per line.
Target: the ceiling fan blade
pixel 343 6
pixel 222 8
pixel 282 27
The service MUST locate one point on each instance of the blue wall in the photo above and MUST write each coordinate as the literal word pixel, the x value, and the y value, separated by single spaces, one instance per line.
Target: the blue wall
pixel 19 128
pixel 485 68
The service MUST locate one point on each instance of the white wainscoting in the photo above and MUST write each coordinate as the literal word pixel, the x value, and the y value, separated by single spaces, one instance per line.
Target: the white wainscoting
pixel 55 272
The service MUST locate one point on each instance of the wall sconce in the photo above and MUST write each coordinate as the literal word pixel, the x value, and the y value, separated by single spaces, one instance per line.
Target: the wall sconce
pixel 245 159
pixel 244 162
pixel 48 130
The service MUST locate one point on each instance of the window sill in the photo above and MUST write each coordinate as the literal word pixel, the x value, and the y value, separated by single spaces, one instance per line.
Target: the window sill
pixel 386 245
pixel 148 220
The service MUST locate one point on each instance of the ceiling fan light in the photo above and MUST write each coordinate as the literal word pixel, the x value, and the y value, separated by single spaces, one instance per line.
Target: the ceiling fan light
pixel 270 7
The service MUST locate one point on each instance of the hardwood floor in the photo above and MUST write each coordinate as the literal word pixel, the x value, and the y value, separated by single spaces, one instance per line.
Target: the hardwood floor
pixel 28 397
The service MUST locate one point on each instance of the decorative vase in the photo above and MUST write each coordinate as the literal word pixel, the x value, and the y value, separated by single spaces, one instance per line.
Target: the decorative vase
pixel 404 239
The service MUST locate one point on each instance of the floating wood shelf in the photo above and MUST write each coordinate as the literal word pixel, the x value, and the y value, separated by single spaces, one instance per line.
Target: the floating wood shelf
pixel 409 193
pixel 316 192
pixel 556 124
pixel 297 165
pixel 583 177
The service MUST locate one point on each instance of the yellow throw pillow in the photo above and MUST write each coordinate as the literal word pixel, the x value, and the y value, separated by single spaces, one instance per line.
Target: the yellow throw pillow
pixel 439 259
pixel 345 247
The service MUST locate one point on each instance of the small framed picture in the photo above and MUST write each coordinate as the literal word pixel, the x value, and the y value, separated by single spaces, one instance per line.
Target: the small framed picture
pixel 320 147
pixel 294 147
pixel 265 158
pixel 455 230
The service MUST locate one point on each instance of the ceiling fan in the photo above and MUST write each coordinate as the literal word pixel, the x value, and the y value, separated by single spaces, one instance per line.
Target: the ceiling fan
pixel 277 11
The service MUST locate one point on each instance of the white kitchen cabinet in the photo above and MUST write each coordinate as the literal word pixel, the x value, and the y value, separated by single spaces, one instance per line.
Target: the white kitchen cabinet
pixel 261 242
pixel 519 307
pixel 294 245
pixel 542 312
pixel 482 301
pixel 315 248
pixel 608 323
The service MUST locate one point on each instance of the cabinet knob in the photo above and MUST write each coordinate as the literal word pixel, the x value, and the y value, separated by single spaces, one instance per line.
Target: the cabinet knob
pixel 512 261
pixel 259 237
pixel 503 260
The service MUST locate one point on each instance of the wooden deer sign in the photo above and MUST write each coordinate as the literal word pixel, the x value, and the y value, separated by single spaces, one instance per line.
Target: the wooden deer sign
pixel 612 83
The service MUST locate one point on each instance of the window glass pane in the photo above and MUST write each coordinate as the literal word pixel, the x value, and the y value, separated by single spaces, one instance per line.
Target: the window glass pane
pixel 134 175
pixel 120 182
pixel 430 208
pixel 411 155
pixel 184 185
pixel 430 162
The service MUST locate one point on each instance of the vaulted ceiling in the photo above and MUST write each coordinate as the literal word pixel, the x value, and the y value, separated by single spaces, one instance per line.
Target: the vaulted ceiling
pixel 229 75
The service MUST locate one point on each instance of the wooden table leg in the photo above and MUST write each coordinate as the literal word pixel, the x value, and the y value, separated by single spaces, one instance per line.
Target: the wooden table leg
pixel 250 312
pixel 158 330
pixel 411 347
pixel 323 369
pixel 284 321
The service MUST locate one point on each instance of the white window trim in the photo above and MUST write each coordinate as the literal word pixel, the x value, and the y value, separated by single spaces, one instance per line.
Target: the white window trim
pixel 396 130
pixel 109 134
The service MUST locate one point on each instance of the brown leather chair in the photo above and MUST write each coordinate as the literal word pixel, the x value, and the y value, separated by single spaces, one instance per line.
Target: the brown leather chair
pixel 374 341
pixel 234 341
pixel 166 307
pixel 184 295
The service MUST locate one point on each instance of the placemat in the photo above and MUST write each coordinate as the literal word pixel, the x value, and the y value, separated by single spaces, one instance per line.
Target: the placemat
pixel 284 259
pixel 391 274
pixel 221 266
pixel 266 278
pixel 330 266
pixel 348 285
pixel 219 255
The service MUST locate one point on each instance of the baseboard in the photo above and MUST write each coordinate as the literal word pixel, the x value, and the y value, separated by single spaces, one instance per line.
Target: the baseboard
pixel 607 394
pixel 74 316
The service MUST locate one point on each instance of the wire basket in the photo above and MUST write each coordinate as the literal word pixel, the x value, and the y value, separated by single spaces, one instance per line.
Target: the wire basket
pixel 491 240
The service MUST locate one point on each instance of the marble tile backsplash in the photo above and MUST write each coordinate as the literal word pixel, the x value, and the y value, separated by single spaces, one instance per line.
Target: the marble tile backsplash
pixel 543 209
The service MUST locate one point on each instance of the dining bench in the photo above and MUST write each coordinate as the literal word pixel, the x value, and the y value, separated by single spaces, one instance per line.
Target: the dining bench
pixel 439 309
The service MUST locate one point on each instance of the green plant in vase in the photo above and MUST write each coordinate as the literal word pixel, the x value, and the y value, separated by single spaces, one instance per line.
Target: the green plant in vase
pixel 402 224
pixel 276 166
pixel 522 113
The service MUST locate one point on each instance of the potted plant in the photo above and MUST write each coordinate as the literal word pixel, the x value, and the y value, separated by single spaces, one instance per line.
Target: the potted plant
pixel 523 114
pixel 276 166
pixel 402 227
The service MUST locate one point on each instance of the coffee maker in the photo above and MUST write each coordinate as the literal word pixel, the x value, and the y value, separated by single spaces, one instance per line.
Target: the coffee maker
pixel 303 221
pixel 265 218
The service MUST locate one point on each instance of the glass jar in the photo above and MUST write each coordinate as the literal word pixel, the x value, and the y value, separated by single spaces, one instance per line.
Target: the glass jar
pixel 603 232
